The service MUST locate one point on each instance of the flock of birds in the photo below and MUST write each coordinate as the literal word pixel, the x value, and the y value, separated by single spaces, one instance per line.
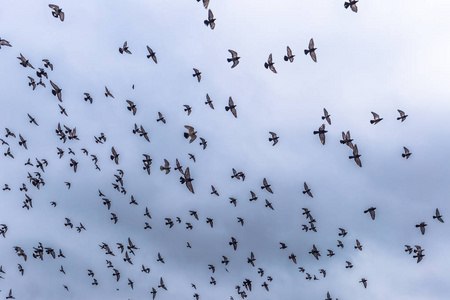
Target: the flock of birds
pixel 128 249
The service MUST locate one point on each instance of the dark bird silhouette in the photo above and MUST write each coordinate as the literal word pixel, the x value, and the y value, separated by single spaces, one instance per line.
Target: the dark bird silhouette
pixel 352 4
pixel 311 50
pixel 402 115
pixel 269 64
pixel 358 245
pixel 48 64
pixel 321 133
pixel 161 284
pixel 24 62
pixel 307 190
pixel 10 295
pixel 274 138
pixel 269 205
pixel 407 154
pixel 356 156
pixel 161 118
pixel 289 56
pixel 376 118
pixel 293 257
pixel 197 74
pixel 422 226
pixel 192 134
pixel 231 107
pixel 346 139
pixel 188 109
pixel 4 42
pixel 234 58
pixel 364 282
pixel 266 186
pixel 371 211
pixel 114 156
pixel 152 54
pixel 211 20
pixel 32 83
pixel 254 197
pixel 326 116
pixel 131 106
pixel 349 265
pixel 57 12
pixel 233 243
pixel 340 244
pixel 56 91
pixel 315 252
pixel 124 48
pixel 108 93
pixel 330 253
pixel 438 216
pixel 209 102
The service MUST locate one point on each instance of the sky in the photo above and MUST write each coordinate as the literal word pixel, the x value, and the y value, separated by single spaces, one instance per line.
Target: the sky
pixel 388 56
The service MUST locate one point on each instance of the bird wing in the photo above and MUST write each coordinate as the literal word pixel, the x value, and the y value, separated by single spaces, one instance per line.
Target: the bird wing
pixel 233 53
pixel 311 44
pixel 375 115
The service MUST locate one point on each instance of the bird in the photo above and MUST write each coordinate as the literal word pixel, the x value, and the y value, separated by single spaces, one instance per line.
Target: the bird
pixel 326 116
pixel 210 222
pixel 187 180
pixel 340 244
pixel 153 292
pixel 315 252
pixel 293 257
pixel 231 107
pixel 438 216
pixel 188 109
pixel 10 295
pixel 131 106
pixel 269 205
pixel 62 270
pixel 4 42
pixel 211 20
pixel 57 12
pixel 192 134
pixel 266 186
pixel 197 74
pixel 23 142
pixel 48 64
pixel 311 50
pixel 407 154
pixel 233 243
pixel 205 3
pixel 346 139
pixel 209 101
pixel 108 93
pixel 117 274
pixel 422 227
pixel 161 284
pixel 352 4
pixel 307 190
pixel 323 272
pixel 254 197
pixel 63 112
pixel 289 56
pixel 114 156
pixel 376 118
pixel 214 191
pixel 402 115
pixel 234 58
pixel 191 156
pixel 269 64
pixel 330 253
pixel 166 167
pixel 152 54
pixel 371 211
pixel 161 118
pixel 364 282
pixel 321 133
pixel 32 82
pixel 124 48
pixel 358 245
pixel 356 156
pixel 408 249
pixel 24 62
pixel 343 232
pixel 56 91
pixel 349 265
pixel 212 268
pixel 274 138
pixel 328 296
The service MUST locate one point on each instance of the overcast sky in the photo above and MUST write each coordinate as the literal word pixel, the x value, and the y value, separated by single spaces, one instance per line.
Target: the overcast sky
pixel 388 56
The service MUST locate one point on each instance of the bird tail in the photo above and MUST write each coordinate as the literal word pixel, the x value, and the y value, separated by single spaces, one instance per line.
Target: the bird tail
pixel 315 132
pixel 148 56
pixel 286 58
pixel 186 135
pixel 121 50
pixel 229 59
pixel 342 141
pixel 270 139
pixel 227 108
pixel 306 51
pixel 372 121
pixel 403 155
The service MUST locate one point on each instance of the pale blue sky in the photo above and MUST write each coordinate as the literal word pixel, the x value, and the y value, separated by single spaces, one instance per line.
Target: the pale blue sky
pixel 386 57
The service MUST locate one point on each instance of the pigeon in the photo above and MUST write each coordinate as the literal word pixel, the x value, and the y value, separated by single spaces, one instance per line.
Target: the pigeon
pixel 211 20
pixel 307 190
pixel 407 154
pixel 124 48
pixel 197 74
pixel 269 64
pixel 371 211
pixel 231 107
pixel 152 54
pixel 438 216
pixel 57 12
pixel 289 56
pixel 234 58
pixel 326 116
pixel 311 50
pixel 376 118
pixel 274 138
pixel 402 115
pixel 356 156
pixel 321 133
pixel 352 4
pixel 209 102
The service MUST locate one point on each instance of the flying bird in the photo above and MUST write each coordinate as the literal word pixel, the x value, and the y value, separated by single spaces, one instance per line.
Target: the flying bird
pixel 197 74
pixel 4 42
pixel 307 190
pixel 407 154
pixel 346 139
pixel 152 54
pixel 192 134
pixel 211 20
pixel 352 4
pixel 356 156
pixel 108 93
pixel 24 62
pixel 57 11
pixel 124 48
pixel 269 64
pixel 402 115
pixel 376 118
pixel 131 106
pixel 114 156
pixel 311 50
pixel 289 56
pixel 326 116
pixel 234 58
pixel 231 107
pixel 438 216
pixel 266 186
pixel 371 211
pixel 209 102
pixel 321 133
pixel 56 91
pixel 274 138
